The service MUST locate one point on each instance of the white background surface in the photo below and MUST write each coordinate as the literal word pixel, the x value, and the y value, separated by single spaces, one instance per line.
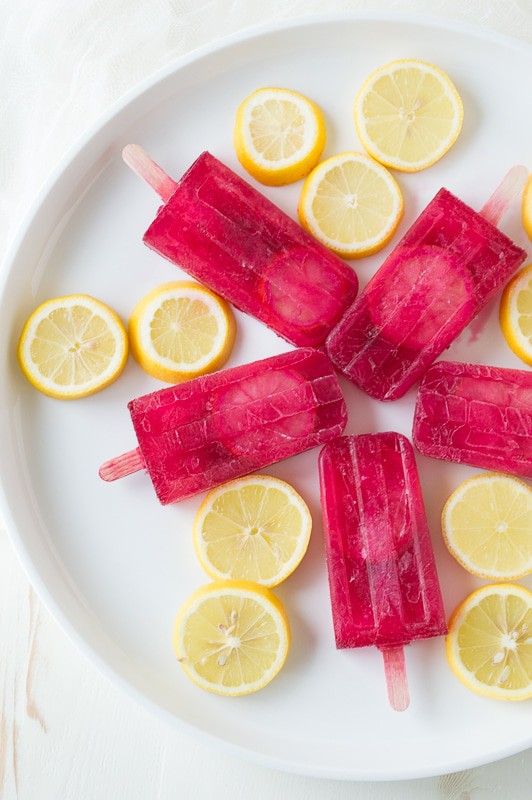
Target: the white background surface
pixel 65 732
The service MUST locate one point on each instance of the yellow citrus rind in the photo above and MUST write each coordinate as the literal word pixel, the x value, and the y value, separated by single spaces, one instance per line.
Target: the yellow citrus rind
pixel 526 207
pixel 515 314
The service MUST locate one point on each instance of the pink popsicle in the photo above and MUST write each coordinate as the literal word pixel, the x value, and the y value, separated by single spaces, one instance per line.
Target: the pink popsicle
pixel 382 574
pixel 444 270
pixel 214 428
pixel 477 415
pixel 226 234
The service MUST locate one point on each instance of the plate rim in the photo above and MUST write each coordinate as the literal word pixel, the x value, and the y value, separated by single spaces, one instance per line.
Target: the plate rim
pixel 21 232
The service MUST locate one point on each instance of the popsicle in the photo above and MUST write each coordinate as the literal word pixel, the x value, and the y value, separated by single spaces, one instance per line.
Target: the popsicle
pixel 206 431
pixel 230 237
pixel 477 415
pixel 444 270
pixel 382 575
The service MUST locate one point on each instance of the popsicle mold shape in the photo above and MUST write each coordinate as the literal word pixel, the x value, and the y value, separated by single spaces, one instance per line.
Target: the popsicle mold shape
pixel 230 237
pixel 443 271
pixel 211 429
pixel 382 574
pixel 477 415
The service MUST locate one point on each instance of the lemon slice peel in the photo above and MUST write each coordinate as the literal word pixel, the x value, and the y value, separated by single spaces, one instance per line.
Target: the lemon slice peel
pixel 526 207
pixel 515 314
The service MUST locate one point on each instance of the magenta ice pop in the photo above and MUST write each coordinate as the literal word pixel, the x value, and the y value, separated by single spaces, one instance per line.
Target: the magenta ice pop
pixel 475 414
pixel 443 271
pixel 230 237
pixel 211 429
pixel 382 574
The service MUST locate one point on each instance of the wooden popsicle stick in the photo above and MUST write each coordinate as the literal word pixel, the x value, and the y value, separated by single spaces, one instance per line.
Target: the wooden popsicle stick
pixel 507 191
pixel 122 465
pixel 396 679
pixel 140 162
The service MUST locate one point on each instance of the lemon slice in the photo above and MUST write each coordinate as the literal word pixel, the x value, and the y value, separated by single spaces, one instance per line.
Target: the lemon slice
pixel 408 114
pixel 232 637
pixel 489 644
pixel 526 207
pixel 72 346
pixel 279 135
pixel 487 526
pixel 255 528
pixel 351 204
pixel 180 330
pixel 515 314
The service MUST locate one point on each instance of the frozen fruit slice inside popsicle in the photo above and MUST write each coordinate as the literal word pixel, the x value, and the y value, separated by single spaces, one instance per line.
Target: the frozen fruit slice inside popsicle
pixel 419 306
pixel 292 286
pixel 245 421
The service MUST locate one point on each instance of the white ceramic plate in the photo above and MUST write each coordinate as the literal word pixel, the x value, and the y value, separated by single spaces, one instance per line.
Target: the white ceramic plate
pixel 111 564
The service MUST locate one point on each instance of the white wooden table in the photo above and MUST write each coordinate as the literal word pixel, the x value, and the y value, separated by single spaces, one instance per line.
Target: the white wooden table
pixel 65 731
